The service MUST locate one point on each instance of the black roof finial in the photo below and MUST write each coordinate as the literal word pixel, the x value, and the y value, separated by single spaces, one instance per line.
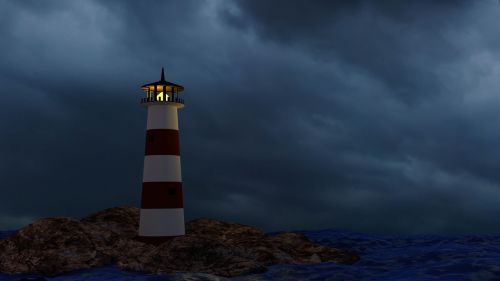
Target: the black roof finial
pixel 162 75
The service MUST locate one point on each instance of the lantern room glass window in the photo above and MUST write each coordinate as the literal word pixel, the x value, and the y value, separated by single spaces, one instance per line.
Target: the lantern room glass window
pixel 162 96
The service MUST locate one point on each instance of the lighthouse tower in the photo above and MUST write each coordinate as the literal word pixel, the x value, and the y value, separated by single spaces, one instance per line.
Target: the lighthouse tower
pixel 162 212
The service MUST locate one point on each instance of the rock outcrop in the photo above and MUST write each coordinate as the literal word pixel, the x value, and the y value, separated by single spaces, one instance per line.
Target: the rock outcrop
pixel 57 245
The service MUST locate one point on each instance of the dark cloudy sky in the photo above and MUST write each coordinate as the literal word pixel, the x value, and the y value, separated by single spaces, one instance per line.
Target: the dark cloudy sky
pixel 377 116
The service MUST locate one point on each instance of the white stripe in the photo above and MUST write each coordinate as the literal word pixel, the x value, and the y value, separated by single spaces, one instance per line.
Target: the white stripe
pixel 162 168
pixel 162 116
pixel 161 222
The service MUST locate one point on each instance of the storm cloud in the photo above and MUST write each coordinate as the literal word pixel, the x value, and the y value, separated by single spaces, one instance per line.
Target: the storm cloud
pixel 361 115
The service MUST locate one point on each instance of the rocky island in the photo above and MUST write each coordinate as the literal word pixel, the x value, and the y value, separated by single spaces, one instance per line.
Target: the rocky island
pixel 55 246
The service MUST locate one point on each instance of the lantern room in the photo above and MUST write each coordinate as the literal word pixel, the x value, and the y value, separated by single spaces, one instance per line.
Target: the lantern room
pixel 162 91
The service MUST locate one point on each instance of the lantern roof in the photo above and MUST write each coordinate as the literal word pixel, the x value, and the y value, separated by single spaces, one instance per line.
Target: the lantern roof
pixel 170 87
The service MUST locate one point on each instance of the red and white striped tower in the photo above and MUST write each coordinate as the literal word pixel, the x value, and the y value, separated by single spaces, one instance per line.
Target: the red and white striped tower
pixel 162 212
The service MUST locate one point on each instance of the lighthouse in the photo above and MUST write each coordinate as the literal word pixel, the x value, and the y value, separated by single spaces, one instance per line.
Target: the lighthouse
pixel 162 211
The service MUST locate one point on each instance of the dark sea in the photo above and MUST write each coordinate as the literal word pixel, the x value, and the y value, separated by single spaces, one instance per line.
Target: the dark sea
pixel 383 257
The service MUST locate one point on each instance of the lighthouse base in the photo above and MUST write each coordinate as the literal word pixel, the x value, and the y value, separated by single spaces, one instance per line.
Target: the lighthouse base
pixel 154 240
pixel 161 222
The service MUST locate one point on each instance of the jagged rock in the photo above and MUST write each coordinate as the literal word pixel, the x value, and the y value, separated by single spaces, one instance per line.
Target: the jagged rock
pixel 58 245
pixel 122 220
pixel 52 246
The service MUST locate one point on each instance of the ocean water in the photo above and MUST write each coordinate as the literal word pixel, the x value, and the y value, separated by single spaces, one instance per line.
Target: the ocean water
pixel 383 257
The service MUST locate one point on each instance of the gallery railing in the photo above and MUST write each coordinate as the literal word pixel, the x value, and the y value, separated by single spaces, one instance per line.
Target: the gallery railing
pixel 169 99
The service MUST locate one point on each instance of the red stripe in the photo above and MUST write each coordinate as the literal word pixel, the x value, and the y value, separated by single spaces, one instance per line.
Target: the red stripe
pixel 161 195
pixel 162 142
